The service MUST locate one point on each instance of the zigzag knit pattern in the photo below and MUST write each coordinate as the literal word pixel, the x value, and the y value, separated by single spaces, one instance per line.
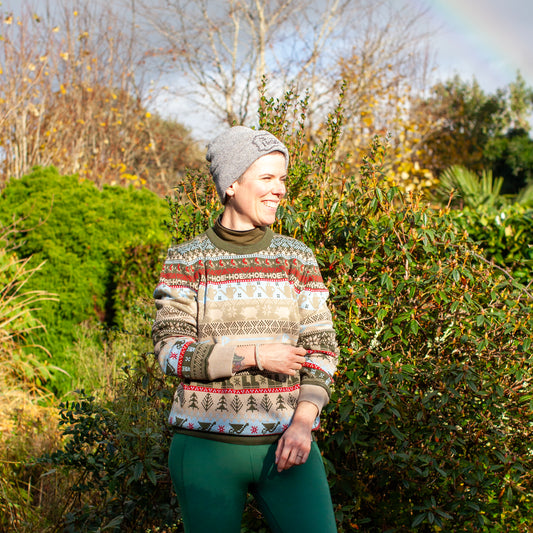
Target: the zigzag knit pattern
pixel 212 297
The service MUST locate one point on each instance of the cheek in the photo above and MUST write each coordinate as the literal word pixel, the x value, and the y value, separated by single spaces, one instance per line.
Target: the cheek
pixel 263 189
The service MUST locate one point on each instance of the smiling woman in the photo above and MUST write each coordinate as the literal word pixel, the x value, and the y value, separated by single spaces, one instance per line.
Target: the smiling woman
pixel 252 201
pixel 243 321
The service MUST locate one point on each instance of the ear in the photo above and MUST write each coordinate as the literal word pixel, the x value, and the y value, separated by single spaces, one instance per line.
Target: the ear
pixel 230 191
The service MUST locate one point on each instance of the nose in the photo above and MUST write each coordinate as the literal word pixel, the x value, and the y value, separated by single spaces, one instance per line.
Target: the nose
pixel 279 188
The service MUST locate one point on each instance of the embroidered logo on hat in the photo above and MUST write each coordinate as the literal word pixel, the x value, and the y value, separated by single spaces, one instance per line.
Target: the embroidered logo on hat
pixel 265 142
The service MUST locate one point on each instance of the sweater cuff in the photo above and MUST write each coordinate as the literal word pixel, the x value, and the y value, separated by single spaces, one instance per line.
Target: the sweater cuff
pixel 314 394
pixel 220 363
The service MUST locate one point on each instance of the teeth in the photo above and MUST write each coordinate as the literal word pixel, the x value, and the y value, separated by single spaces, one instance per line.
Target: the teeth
pixel 271 204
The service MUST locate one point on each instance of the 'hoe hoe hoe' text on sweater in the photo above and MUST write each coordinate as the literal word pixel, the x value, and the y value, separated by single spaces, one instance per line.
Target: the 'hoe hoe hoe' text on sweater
pixel 217 292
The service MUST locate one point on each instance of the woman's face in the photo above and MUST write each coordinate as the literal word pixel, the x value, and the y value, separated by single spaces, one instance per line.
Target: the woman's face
pixel 254 198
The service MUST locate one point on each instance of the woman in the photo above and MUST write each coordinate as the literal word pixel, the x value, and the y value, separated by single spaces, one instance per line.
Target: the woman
pixel 242 320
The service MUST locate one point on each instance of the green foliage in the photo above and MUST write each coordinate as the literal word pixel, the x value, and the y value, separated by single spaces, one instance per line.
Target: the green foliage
pixel 480 131
pixel 464 119
pixel 520 103
pixel 459 187
pixel 116 455
pixel 429 425
pixel 193 207
pixel 81 233
pixel 501 225
pixel 136 274
pixel 504 234
pixel 510 155
pixel 431 407
pixel 21 371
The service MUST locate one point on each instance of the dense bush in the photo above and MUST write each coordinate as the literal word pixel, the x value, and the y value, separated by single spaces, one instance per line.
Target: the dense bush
pixel 504 234
pixel 430 422
pixel 136 273
pixel 81 233
pixel 511 157
pixel 116 453
pixel 501 224
pixel 429 425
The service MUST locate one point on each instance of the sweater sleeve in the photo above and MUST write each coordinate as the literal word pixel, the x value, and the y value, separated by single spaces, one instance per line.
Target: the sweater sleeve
pixel 175 329
pixel 317 336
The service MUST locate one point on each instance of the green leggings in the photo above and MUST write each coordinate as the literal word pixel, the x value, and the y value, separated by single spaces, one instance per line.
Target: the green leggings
pixel 212 478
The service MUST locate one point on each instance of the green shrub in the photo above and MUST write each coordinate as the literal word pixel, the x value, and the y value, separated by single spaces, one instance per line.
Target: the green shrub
pixel 504 234
pixel 82 234
pixel 116 455
pixel 429 425
pixel 136 273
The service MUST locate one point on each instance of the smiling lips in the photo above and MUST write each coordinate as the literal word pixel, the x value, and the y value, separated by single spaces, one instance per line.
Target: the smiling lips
pixel 271 204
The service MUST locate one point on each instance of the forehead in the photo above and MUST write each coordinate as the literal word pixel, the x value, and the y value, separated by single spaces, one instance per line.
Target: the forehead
pixel 273 163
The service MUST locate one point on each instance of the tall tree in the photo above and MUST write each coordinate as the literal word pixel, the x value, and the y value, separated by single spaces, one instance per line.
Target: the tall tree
pixel 72 95
pixel 463 119
pixel 479 131
pixel 224 49
pixel 520 104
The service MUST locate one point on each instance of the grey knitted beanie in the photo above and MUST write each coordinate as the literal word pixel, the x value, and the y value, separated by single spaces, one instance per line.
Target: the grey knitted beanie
pixel 234 151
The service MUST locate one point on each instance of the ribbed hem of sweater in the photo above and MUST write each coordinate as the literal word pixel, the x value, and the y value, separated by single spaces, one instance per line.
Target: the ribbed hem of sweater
pixel 232 439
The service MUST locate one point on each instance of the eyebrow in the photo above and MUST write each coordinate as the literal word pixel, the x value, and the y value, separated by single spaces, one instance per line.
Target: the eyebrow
pixel 272 174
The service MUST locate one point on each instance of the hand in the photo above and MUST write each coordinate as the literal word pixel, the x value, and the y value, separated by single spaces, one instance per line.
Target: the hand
pixel 282 358
pixel 295 444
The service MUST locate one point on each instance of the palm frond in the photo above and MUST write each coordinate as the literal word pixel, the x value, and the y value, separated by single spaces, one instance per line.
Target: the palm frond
pixel 470 190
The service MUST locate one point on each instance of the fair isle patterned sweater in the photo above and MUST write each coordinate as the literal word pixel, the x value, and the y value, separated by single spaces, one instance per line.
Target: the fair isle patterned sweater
pixel 215 293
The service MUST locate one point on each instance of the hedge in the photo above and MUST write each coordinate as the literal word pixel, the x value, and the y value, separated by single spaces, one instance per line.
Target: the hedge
pixel 82 233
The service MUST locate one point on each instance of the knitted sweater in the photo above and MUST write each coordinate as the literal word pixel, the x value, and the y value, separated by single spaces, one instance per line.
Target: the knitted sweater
pixel 214 295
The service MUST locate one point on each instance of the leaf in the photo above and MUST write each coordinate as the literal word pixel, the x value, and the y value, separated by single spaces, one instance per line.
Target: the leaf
pixel 418 520
pixel 397 433
pixel 151 475
pixel 378 407
pixel 138 470
pixel 114 523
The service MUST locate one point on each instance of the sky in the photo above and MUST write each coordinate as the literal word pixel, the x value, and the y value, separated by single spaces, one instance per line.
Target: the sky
pixel 488 39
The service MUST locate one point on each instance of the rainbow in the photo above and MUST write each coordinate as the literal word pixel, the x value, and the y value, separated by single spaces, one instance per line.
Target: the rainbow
pixel 486 38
